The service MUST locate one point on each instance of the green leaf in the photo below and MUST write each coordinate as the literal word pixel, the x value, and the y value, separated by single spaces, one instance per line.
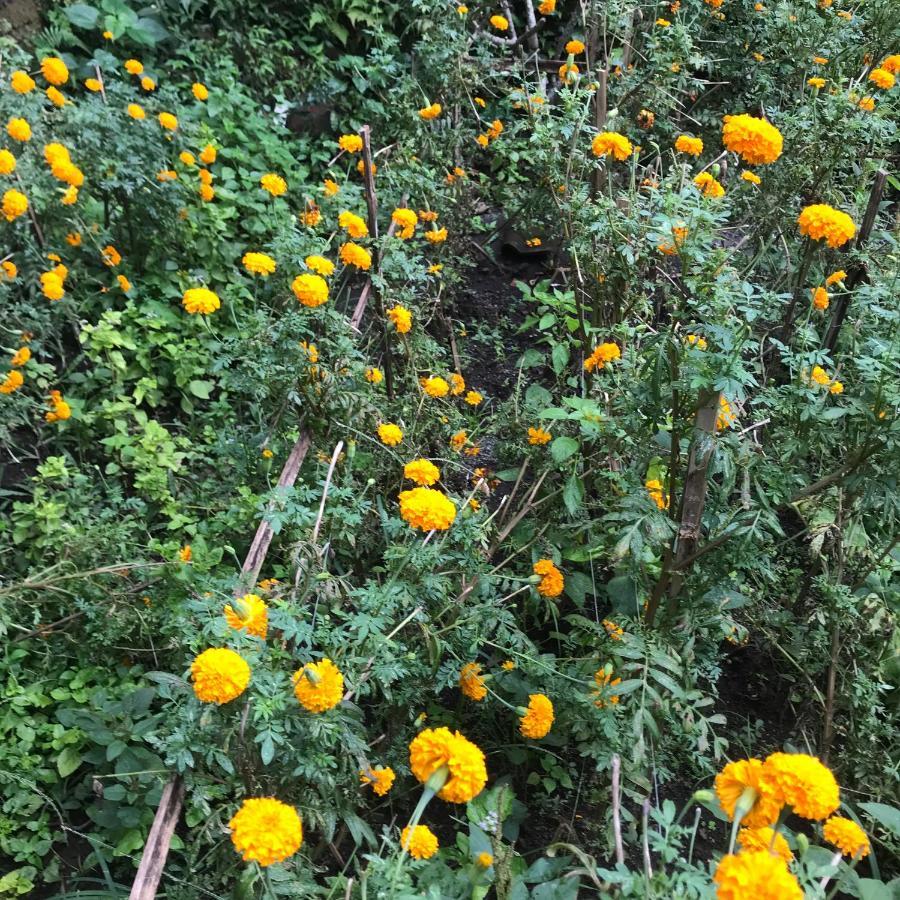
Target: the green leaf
pixel 531 358
pixel 201 389
pixel 68 761
pixel 573 494
pixel 872 889
pixel 547 319
pixel 563 447
pixel 81 15
pixel 559 357
pixel 886 816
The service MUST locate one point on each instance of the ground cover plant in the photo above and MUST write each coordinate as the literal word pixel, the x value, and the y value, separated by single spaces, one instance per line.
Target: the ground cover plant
pixel 452 454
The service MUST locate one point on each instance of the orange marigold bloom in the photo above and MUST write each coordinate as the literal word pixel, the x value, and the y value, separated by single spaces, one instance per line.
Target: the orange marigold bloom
pixel 434 749
pixel 380 777
pixel 319 686
pixel 820 298
pixel 427 509
pixel 535 722
pixel 822 222
pixel 601 355
pixel 422 471
pixel 613 143
pixel 401 318
pixel 686 144
pixel 757 874
pixel 219 675
pixel 754 140
pixel 249 614
pixel 537 436
pixel 352 143
pixel 742 782
pixel 802 782
pixel 763 839
pixel 552 582
pixel 471 682
pixel 353 255
pixel 847 836
pixel 882 78
pixel 420 842
pixel 266 831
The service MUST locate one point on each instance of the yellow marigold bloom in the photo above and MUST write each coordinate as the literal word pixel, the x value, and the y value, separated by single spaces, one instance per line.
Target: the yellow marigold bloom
pixel 12 382
pixel 552 581
pixel 803 783
pixel 249 614
pixel 655 490
pixel 380 777
pixel 762 839
pixel 686 144
pixel 135 111
pixel 462 9
pixel 891 64
pixel 61 410
pixel 320 265
pixel 547 7
pixel 568 72
pixel 823 222
pixel 353 224
pixel 574 47
pixel 54 70
pixel 124 283
pixel 187 158
pixel 148 84
pixel 605 353
pixel 401 318
pixel 107 35
pixel 68 172
pixel 847 836
pixel 436 235
pixel 431 112
pixel 373 375
pixel 310 290
pixel 435 386
pixel 52 286
pixel 663 23
pixel 7 162
pixel 485 860
pixel 200 91
pixel 208 155
pixel 10 269
pixel 319 686
pixel 473 398
pixel 219 675
pixel 435 748
pixel 611 142
pixel 205 176
pixel 92 84
pixel 168 121
pixel 389 434
pixel 725 418
pixel 507 665
pixel 835 277
pixel 752 177
pixel 133 67
pixel 757 874
pixel 816 82
pixel 457 384
pixel 330 187
pixel 537 436
pixel 605 682
pixel 501 23
pixel 352 143
pixel 537 719
pixel 847 16
pixel 56 97
pixel 422 471
pixel 110 256
pixel 882 78
pixel 482 140
pixel 273 183
pixel 471 682
pixel 200 301
pixel 18 130
pixel 754 140
pixel 15 204
pixel 742 781
pixel 266 831
pixel 426 509
pixel 709 186
pixel 20 357
pixel 406 221
pixel 207 192
pixel 867 103
pixel 458 440
pixel 259 263
pixel 21 82
pixel 820 298
pixel 353 255
pixel 185 554
pixel 420 842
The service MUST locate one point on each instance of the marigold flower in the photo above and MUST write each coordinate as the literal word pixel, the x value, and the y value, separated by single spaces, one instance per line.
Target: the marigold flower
pixel 352 143
pixel 742 782
pixel 219 675
pixel 709 186
pixel 249 614
pixel 426 509
pixel 754 140
pixel 501 23
pixel 319 686
pixel 663 23
pixel 92 84
pixel 380 777
pixel 762 839
pixel 757 874
pixel 7 162
pixel 310 290
pixel 401 318
pixel 820 298
pixel 686 144
pixel 802 782
pixel 10 269
pixel 266 831
pixel 538 437
pixel 200 301
pixel 206 193
pixel 816 82
pixel 148 84
pixel 725 418
pixel 435 748
pixel 124 283
pixel 12 382
pixel 568 72
pixel 110 256
pixel 882 78
pixel 835 278
pixel 55 154
pixel 208 155
pixel 847 836
pixel 471 682
pixel 867 103
pixel 473 398
pixel 54 70
pixel 374 375
pixel 258 263
pixel 574 47
pixel 168 121
pixel 552 581
pixel 353 255
pixel 420 842
pixel 21 82
pixel 547 7
pixel 604 681
pixel 435 386
pixel 15 204
pixel 187 158
pixel 205 176
pixel 422 471
pixel 353 224
pixel 462 9
pixel 200 91
pixel 891 64
pixel 133 67
pixel 485 860
pixel 431 112
pixel 610 142
pixel 457 384
pixel 273 183
pixel 135 111
pixel 436 235
pixel 18 130
pixel 20 357
pixel 822 222
pixel 389 434
pixel 601 355
pixel 538 718
pixel 458 440
pixel 406 221
pixel 52 286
